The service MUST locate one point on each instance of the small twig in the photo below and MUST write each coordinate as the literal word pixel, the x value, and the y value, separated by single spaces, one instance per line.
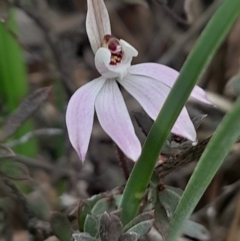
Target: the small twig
pixel 34 163
pixel 51 41
pixel 48 167
pixel 173 163
pixel 35 226
pixel 123 163
pixel 22 200
pixel 36 133
pixel 28 106
pixel 195 28
pixel 229 192
pixel 173 15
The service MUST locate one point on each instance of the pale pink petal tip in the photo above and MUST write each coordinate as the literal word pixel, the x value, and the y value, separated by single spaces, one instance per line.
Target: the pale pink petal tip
pixel 115 120
pixel 184 127
pixel 151 95
pixel 167 76
pixel 79 115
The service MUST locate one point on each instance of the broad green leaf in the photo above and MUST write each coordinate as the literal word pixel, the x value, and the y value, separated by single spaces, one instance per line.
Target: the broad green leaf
pixel 83 210
pixel 146 216
pixel 196 231
pixel 91 225
pixel 107 204
pixel 141 228
pixel 14 80
pixel 61 226
pixel 169 200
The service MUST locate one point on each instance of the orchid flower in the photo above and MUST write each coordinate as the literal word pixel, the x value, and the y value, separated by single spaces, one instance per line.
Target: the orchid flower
pixel 148 83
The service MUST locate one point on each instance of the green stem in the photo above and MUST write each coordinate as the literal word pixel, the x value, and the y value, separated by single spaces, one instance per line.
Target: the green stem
pixel 206 46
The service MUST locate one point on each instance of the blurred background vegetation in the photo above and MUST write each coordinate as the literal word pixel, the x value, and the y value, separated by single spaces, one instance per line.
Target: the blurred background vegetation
pixel 43 43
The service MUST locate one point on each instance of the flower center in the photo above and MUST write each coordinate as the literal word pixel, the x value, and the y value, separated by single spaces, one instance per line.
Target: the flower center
pixel 114 47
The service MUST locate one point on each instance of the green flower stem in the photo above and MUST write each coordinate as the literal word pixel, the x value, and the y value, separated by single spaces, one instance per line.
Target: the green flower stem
pixel 213 156
pixel 206 46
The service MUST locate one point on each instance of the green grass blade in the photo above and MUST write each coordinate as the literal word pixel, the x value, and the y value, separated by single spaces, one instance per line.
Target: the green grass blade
pixel 206 46
pixel 213 156
pixel 14 81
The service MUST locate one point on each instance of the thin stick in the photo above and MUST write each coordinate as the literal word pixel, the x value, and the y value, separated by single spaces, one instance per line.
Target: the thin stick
pixel 173 15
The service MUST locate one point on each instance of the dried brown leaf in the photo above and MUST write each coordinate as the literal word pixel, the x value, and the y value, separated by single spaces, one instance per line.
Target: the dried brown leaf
pixel 29 105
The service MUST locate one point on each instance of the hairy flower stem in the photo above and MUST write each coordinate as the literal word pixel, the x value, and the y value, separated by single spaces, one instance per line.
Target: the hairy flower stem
pixel 123 163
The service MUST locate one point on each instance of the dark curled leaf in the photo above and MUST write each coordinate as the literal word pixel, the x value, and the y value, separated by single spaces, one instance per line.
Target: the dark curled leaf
pixel 110 227
pixel 196 231
pixel 6 152
pixel 187 155
pixel 91 225
pixel 129 237
pixel 115 228
pixel 104 225
pixel 146 216
pixel 61 226
pixel 24 111
pixel 82 237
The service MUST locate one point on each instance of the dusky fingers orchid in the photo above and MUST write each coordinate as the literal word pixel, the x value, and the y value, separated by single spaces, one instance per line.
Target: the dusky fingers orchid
pixel 148 83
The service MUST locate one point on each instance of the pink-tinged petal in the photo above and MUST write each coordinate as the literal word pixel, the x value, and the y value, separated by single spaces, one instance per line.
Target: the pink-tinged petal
pixel 151 94
pixel 97 23
pixel 80 113
pixel 103 58
pixel 168 76
pixel 115 120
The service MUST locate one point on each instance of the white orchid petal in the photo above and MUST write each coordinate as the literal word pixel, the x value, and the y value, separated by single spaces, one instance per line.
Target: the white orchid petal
pixel 103 58
pixel 128 50
pixel 80 113
pixel 168 76
pixel 115 120
pixel 97 23
pixel 151 94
